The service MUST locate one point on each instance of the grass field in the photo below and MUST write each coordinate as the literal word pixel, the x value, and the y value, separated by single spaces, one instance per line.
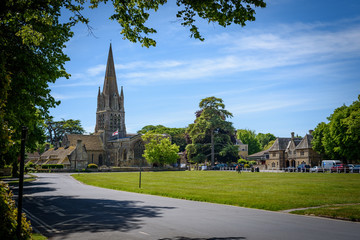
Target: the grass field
pixel 270 191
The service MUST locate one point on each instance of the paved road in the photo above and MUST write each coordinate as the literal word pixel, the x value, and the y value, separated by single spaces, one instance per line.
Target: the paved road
pixel 62 208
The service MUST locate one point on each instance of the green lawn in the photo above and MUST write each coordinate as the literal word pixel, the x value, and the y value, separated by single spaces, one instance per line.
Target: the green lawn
pixel 271 191
pixel 347 212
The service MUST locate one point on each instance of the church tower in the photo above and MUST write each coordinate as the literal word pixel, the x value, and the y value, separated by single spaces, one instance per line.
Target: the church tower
pixel 110 113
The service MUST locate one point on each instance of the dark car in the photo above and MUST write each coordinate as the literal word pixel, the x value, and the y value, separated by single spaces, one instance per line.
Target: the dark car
pixel 340 168
pixel 356 169
pixel 303 168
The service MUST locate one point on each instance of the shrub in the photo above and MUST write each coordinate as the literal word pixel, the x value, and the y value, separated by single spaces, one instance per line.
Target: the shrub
pixel 246 166
pixel 52 166
pixel 30 165
pixel 242 161
pixel 8 213
pixel 92 165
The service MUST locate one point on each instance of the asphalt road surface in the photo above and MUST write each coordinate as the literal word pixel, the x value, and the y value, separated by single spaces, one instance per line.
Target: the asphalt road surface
pixel 63 208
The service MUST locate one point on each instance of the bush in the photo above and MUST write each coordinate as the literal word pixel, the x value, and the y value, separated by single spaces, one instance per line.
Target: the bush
pixel 8 213
pixel 92 165
pixel 52 166
pixel 30 165
pixel 246 166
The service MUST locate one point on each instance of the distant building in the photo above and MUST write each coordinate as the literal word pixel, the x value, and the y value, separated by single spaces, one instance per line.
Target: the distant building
pixel 72 157
pixel 291 152
pixel 260 158
pixel 243 149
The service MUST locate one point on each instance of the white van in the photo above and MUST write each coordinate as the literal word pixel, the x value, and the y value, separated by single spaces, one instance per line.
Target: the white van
pixel 328 164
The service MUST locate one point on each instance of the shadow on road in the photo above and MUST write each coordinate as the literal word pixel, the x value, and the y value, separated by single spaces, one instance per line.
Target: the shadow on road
pixel 63 215
pixel 213 238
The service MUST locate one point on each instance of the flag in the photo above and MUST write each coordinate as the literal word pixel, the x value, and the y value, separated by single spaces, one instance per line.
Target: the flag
pixel 115 133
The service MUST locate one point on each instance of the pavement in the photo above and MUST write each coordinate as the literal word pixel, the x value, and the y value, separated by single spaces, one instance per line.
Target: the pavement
pixel 62 208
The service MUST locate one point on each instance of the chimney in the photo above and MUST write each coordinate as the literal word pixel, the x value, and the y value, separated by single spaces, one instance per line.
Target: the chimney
pixel 292 135
pixel 78 143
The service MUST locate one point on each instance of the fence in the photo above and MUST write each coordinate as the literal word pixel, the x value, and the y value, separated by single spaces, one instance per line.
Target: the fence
pixel 295 170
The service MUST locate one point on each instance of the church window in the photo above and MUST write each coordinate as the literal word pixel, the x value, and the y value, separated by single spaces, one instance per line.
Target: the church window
pixel 138 150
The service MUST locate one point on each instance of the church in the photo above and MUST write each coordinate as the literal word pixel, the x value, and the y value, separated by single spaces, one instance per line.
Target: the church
pixel 109 145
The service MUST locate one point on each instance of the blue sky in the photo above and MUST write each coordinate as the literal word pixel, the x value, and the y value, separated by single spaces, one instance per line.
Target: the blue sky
pixel 285 72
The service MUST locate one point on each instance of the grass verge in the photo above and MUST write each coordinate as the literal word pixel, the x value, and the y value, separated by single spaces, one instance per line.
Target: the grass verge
pixel 270 191
pixel 38 236
pixel 347 212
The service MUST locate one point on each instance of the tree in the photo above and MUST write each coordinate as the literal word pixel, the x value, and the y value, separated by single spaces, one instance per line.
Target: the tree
pixel 211 134
pixel 159 150
pixel 249 137
pixel 55 130
pixel 264 139
pixel 32 39
pixel 340 137
pixel 266 147
pixel 132 15
pixel 177 134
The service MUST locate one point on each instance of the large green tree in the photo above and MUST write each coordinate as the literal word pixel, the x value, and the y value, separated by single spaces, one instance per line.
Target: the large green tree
pixel 177 134
pixel 32 39
pixel 159 150
pixel 211 134
pixel 340 137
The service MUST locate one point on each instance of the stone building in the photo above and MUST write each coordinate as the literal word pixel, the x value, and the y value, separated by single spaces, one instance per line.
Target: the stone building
pixel 243 149
pixel 71 157
pixel 291 152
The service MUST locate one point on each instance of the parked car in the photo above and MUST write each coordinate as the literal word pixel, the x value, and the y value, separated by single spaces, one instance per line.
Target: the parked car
pixel 340 168
pixel 356 169
pixel 303 168
pixel 219 166
pixel 316 169
pixel 328 164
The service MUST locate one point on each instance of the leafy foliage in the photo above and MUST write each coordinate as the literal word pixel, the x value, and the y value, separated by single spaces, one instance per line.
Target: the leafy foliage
pixel 132 15
pixel 159 150
pixel 269 145
pixel 31 42
pixel 8 213
pixel 210 130
pixel 249 137
pixel 177 134
pixel 340 138
pixel 264 139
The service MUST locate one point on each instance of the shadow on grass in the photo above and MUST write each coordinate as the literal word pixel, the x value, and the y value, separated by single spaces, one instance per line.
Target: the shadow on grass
pixel 62 215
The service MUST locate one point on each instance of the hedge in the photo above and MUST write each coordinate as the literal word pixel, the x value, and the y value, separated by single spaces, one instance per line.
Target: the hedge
pixel 52 166
pixel 8 219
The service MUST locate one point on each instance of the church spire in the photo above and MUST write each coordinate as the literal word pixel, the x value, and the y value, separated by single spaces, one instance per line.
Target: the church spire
pixel 110 85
